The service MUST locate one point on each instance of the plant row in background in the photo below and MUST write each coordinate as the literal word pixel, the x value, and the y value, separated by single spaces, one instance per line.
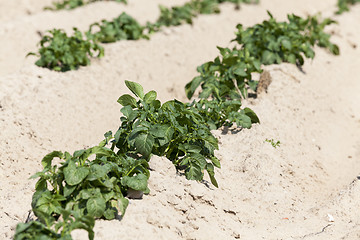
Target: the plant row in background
pixel 61 52
pixel 343 5
pixel 229 76
pixel 71 4
pixel 93 183
pixel 211 6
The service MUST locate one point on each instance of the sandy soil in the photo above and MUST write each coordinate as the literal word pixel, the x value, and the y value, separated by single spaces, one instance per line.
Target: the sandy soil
pixel 264 193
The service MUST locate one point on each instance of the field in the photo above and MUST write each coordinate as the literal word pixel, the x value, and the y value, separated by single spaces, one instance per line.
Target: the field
pixel 294 175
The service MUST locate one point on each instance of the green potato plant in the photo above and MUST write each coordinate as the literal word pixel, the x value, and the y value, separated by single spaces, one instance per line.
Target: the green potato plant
pixel 79 190
pixel 275 42
pixel 172 129
pixel 229 76
pixel 62 53
pixel 343 5
pixel 123 27
pixel 179 15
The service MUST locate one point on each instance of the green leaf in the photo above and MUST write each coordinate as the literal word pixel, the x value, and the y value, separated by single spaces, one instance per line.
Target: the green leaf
pixel 68 190
pixel 211 172
pixel 135 88
pixel 286 44
pixel 97 172
pixel 252 115
pixel 137 182
pixel 216 162
pixel 194 172
pixel 144 143
pixel 120 205
pixel 96 206
pixel 75 174
pixel 243 121
pixel 240 71
pixel 127 100
pixel 268 57
pixel 150 96
pixel 192 86
pixel 47 160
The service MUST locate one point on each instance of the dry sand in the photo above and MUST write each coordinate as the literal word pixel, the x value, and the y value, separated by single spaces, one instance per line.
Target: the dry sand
pixel 264 193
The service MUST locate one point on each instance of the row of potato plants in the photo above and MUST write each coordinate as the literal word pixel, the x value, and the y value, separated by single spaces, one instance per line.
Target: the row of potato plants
pixel 61 52
pixel 343 5
pixel 230 74
pixel 93 183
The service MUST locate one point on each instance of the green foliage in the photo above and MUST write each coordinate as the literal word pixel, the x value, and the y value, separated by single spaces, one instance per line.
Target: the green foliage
pixel 273 143
pixel 73 190
pixel 71 4
pixel 34 230
pixel 277 42
pixel 224 113
pixel 343 5
pixel 123 27
pixel 227 77
pixel 62 53
pixel 178 15
pixel 61 230
pixel 179 131
pixel 173 130
pixel 78 190
pixel 87 187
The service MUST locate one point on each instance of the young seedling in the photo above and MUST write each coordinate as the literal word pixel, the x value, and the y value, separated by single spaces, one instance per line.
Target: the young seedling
pixel 273 143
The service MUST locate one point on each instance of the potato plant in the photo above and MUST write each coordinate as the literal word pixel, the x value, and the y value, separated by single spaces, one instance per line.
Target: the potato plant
pixel 277 42
pixel 92 183
pixel 123 27
pixel 178 15
pixel 60 52
pixel 78 190
pixel 343 5
pixel 229 76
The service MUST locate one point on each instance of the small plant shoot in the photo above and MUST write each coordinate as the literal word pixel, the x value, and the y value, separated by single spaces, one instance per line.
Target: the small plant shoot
pixel 273 143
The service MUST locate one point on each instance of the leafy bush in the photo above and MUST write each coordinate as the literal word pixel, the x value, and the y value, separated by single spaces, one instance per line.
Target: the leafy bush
pixel 343 5
pixel 79 190
pixel 172 130
pixel 227 77
pixel 71 4
pixel 178 15
pixel 179 131
pixel 230 75
pixel 76 189
pixel 60 230
pixel 123 27
pixel 277 42
pixel 62 53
